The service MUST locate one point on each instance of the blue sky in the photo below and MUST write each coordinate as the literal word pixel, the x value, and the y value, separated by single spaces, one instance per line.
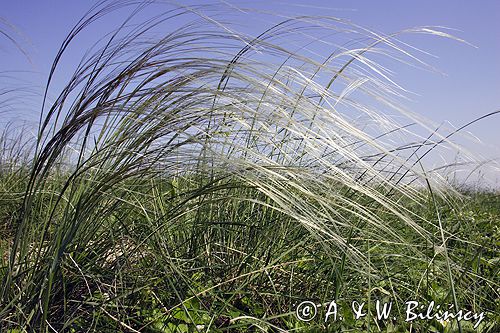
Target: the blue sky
pixel 470 88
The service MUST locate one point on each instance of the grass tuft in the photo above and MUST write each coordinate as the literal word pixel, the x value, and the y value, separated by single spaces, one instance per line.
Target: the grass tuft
pixel 208 180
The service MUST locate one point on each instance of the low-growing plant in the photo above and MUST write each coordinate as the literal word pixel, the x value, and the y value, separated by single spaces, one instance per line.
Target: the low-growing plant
pixel 209 181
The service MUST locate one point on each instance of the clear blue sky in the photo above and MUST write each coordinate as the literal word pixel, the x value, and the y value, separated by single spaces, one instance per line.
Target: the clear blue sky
pixel 470 88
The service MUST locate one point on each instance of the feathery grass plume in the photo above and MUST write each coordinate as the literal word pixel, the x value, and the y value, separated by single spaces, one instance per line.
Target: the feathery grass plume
pixel 192 178
pixel 11 33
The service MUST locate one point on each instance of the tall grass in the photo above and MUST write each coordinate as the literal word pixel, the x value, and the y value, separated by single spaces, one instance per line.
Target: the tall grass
pixel 209 180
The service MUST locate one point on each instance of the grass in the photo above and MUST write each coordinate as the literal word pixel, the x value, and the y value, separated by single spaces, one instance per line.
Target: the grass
pixel 210 181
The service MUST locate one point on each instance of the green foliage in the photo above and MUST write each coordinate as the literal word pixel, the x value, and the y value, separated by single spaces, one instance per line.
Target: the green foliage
pixel 191 184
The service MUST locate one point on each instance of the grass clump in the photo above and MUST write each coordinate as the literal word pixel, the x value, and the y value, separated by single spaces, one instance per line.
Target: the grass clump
pixel 210 181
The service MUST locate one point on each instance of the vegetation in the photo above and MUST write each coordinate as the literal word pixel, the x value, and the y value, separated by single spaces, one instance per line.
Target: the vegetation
pixel 210 181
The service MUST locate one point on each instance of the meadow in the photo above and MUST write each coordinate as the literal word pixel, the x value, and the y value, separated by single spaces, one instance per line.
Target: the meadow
pixel 206 180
